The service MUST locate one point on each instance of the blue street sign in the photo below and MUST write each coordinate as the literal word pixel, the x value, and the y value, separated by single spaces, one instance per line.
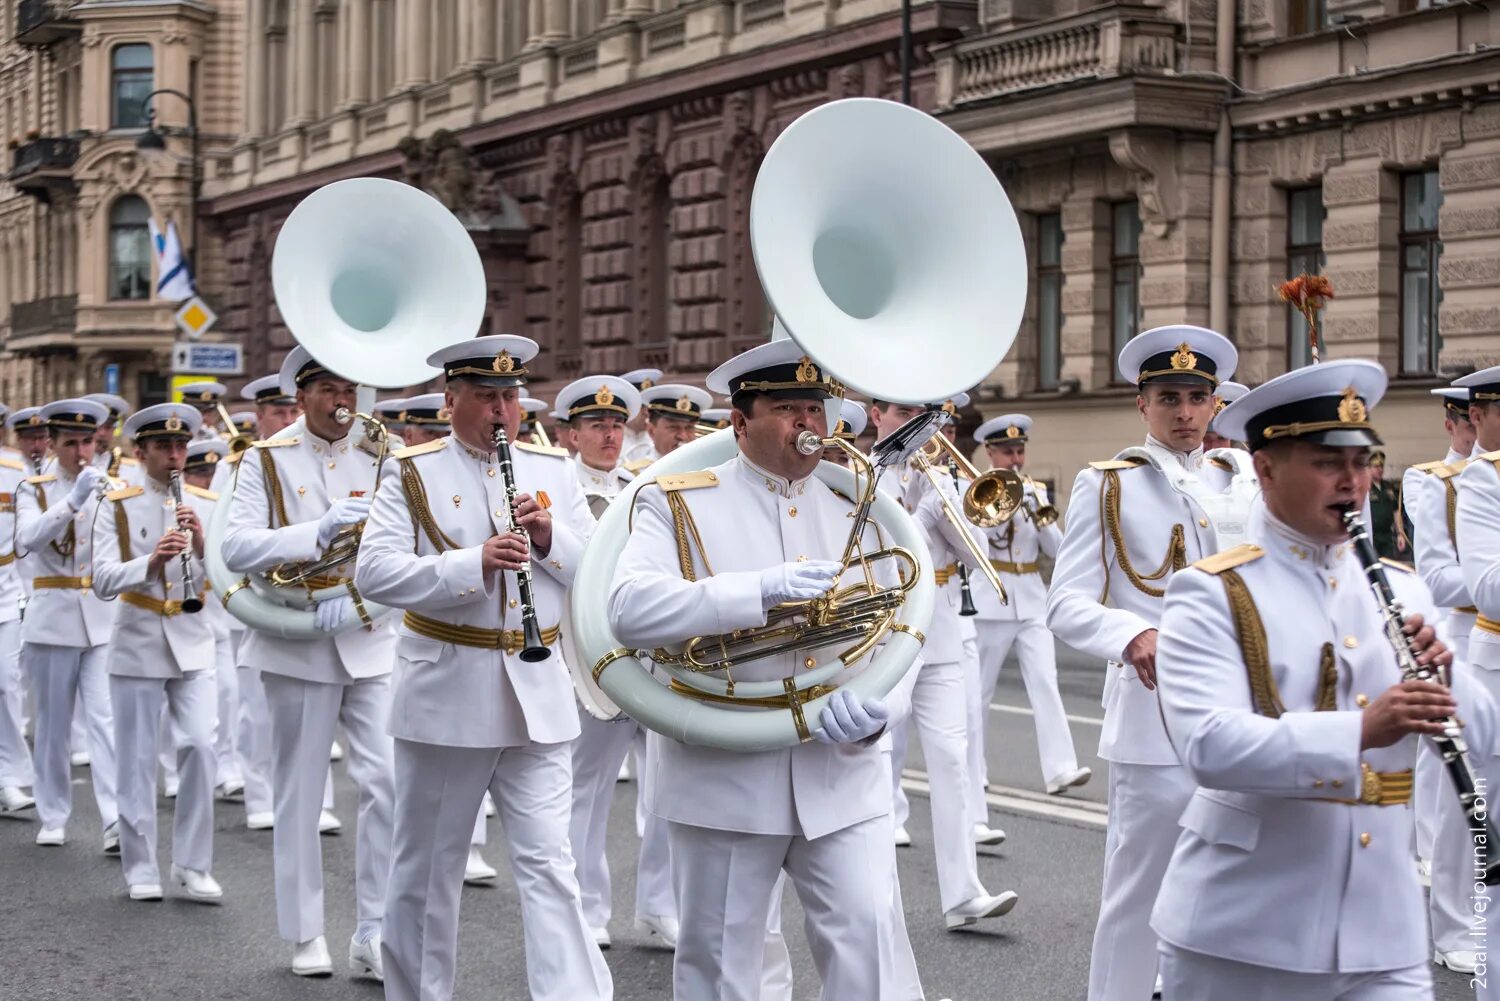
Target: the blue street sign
pixel 112 379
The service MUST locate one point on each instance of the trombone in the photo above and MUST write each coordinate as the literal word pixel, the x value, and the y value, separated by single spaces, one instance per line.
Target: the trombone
pixel 238 440
pixel 993 498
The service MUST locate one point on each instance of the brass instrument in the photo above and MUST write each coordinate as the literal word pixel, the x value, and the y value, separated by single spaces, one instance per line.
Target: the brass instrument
pixel 344 546
pixel 238 440
pixel 190 600
pixel 965 588
pixel 1041 515
pixel 539 433
pixel 992 499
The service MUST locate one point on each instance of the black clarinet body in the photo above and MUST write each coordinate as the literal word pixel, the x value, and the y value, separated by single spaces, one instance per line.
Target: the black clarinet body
pixel 533 649
pixel 965 592
pixel 1450 745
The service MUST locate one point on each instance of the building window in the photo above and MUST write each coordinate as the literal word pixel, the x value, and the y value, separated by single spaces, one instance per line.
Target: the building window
pixel 1125 268
pixel 1304 253
pixel 1049 279
pixel 129 250
pixel 1420 251
pixel 130 82
pixel 1306 16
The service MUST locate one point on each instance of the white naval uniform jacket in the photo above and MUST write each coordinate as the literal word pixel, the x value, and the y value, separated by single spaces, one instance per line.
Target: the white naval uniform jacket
pixel 57 542
pixel 1095 607
pixel 1018 541
pixel 459 695
pixel 146 644
pixel 12 475
pixel 1266 871
pixel 130 471
pixel 749 520
pixel 1478 518
pixel 599 487
pixel 1425 494
pixel 313 473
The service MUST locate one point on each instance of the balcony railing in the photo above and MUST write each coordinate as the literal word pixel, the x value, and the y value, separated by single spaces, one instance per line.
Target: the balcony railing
pixel 1113 41
pixel 48 153
pixel 43 316
pixel 42 22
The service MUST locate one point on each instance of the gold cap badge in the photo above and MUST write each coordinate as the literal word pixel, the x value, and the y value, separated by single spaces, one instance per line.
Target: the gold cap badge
pixel 1014 431
pixel 1184 359
pixel 604 397
pixel 174 423
pixel 504 362
pixel 807 371
pixel 1352 408
pixel 684 404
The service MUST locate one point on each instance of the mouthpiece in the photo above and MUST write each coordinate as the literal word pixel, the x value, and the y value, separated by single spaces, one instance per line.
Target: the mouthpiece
pixel 809 443
pixel 343 415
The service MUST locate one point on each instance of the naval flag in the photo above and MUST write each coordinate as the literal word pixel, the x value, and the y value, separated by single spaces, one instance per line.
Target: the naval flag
pixel 176 281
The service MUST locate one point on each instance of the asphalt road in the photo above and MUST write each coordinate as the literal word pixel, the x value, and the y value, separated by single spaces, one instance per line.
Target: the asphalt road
pixel 68 931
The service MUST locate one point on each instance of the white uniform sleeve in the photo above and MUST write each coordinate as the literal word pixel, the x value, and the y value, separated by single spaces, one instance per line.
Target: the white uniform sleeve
pixel 1427 503
pixel 35 527
pixel 249 545
pixel 112 573
pixel 929 514
pixel 1479 534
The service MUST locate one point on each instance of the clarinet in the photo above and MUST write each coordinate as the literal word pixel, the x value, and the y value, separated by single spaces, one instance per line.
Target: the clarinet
pixel 190 600
pixel 1450 745
pixel 965 593
pixel 533 649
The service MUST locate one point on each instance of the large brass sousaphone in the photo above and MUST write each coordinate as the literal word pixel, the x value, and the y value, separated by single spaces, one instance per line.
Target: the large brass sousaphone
pixel 891 255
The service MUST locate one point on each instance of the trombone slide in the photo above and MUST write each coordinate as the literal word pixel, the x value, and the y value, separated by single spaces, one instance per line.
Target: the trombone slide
pixel 959 522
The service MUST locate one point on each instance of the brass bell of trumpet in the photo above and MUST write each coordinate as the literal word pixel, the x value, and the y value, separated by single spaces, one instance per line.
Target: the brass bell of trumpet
pixel 993 497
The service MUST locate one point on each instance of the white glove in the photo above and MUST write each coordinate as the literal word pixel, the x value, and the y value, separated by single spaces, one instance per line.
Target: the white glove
pixel 796 581
pixel 332 613
pixel 846 721
pixel 84 486
pixel 344 511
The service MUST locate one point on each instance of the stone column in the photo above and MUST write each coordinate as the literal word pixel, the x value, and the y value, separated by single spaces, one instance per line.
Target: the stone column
pixel 1257 266
pixel 559 24
pixel 481 45
pixel 1469 269
pixel 358 42
pixel 1361 239
pixel 255 72
pixel 304 62
pixel 632 8
pixel 414 34
pixel 1087 354
pixel 535 23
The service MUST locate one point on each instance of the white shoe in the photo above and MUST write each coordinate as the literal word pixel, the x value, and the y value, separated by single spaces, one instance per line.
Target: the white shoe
pixel 13 800
pixel 169 788
pixel 310 959
pixel 232 789
pixel 112 839
pixel 79 759
pixel 489 805
pixel 1459 960
pixel 197 885
pixel 1067 780
pixel 984 834
pixel 336 752
pixel 601 937
pixel 903 839
pixel 477 871
pixel 1424 871
pixel 662 930
pixel 145 891
pixel 52 836
pixel 983 906
pixel 364 959
pixel 260 821
pixel 328 823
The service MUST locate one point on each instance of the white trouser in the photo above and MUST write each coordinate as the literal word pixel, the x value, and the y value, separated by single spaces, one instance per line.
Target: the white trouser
pixel 254 741
pixel 226 722
pixel 939 710
pixel 438 791
pixel 15 756
pixel 62 676
pixel 190 704
pixel 598 751
pixel 1037 653
pixel 1192 976
pixel 303 715
pixel 1451 902
pixel 1144 804
pixel 725 881
pixel 78 737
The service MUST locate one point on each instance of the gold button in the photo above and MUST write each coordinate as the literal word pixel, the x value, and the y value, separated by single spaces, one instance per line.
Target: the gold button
pixel 557 564
pixel 1203 522
pixel 499 514
pixel 1338 783
pixel 513 603
pixel 1361 700
pixel 1317 783
pixel 1364 840
pixel 800 559
pixel 1333 582
pixel 809 662
pixel 301 491
pixel 1350 642
pixel 168 585
pixel 331 464
pixel 489 472
pixel 770 486
pixel 792 511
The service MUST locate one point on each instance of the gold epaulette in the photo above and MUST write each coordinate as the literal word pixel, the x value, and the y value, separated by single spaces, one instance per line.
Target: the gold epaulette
pixel 1130 463
pixel 436 445
pixel 277 442
pixel 1398 565
pixel 126 460
pixel 197 491
pixel 695 480
pixel 12 464
pixel 560 453
pixel 1452 469
pixel 44 478
pixel 125 494
pixel 635 466
pixel 1429 467
pixel 1230 558
pixel 1488 456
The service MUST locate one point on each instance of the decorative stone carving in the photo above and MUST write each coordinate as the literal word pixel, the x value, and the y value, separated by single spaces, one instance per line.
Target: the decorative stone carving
pixel 441 166
pixel 1153 158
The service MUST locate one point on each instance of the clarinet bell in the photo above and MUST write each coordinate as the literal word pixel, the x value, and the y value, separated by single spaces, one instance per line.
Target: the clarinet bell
pixel 535 650
pixel 966 603
pixel 192 604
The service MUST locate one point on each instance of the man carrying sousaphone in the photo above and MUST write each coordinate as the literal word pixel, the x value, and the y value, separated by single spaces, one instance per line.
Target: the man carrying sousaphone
pixel 471 710
pixel 292 499
pixel 820 811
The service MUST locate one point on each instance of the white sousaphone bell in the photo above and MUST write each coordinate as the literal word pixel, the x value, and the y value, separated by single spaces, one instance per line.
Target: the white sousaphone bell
pixel 371 276
pixel 891 254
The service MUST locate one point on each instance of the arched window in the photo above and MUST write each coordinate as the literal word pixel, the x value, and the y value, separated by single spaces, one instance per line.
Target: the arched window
pixel 129 249
pixel 130 68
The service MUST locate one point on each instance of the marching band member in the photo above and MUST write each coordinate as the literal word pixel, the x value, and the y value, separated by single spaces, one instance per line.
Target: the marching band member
pixel 1132 522
pixel 594 410
pixel 109 451
pixel 1292 875
pixel 32 438
pixel 672 413
pixel 16 771
pixel 1227 393
pixel 205 397
pixel 63 636
pixel 425 418
pixel 243 423
pixel 940 697
pixel 819 811
pixel 308 488
pixel 637 442
pixel 532 411
pixel 389 412
pixel 7 450
pixel 1016 548
pixel 274 409
pixel 468 714
pixel 148 550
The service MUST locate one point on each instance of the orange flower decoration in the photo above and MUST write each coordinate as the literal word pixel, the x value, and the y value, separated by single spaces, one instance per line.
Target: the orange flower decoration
pixel 1308 294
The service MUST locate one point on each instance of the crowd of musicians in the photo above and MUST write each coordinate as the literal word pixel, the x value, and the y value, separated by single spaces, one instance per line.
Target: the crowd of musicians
pixel 1274 810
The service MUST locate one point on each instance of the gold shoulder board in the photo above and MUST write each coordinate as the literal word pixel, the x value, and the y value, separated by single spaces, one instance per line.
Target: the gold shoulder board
pixel 277 442
pixel 1489 456
pixel 841 495
pixel 688 481
pixel 436 445
pixel 200 492
pixel 44 478
pixel 1452 469
pixel 126 460
pixel 561 453
pixel 1429 467
pixel 11 464
pixel 1230 558
pixel 634 466
pixel 125 494
pixel 1398 565
pixel 1130 463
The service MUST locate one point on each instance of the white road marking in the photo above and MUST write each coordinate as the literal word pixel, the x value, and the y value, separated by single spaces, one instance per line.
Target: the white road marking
pixel 1001 707
pixel 1035 804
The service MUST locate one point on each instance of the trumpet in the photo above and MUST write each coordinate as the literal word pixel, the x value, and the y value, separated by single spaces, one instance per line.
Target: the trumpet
pixel 533 649
pixel 1041 515
pixel 190 600
pixel 238 440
